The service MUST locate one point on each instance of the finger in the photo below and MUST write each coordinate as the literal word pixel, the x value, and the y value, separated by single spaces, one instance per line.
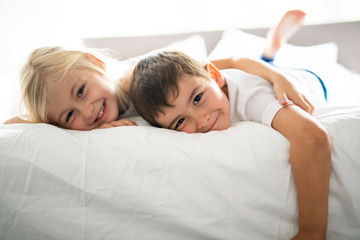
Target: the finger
pixel 282 98
pixel 125 122
pixel 311 107
pixel 284 101
pixel 105 125
pixel 302 102
pixel 122 122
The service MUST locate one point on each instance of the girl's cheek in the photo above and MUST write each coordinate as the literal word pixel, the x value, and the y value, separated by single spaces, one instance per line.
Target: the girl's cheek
pixel 78 124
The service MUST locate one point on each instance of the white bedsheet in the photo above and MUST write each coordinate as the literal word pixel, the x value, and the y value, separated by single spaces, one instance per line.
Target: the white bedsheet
pixel 148 183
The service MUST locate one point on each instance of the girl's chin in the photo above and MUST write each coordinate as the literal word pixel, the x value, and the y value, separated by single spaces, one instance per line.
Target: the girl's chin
pixel 113 116
pixel 111 112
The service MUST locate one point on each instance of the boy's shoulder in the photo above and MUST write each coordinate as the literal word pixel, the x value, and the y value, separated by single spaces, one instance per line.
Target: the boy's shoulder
pixel 239 77
pixel 231 75
pixel 232 71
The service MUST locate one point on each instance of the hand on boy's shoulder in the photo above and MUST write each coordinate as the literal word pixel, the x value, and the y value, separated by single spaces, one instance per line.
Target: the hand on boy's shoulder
pixel 118 123
pixel 285 92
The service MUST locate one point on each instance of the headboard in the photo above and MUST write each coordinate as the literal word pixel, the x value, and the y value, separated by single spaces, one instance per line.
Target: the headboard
pixel 346 35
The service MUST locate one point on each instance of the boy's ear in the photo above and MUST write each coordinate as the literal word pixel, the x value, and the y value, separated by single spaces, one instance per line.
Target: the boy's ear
pixel 215 74
pixel 96 60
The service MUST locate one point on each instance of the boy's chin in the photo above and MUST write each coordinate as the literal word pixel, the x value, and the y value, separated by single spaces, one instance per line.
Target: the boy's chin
pixel 222 127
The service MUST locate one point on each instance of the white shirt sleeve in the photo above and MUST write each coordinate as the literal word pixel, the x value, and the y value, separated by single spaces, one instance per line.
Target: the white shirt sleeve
pixel 251 97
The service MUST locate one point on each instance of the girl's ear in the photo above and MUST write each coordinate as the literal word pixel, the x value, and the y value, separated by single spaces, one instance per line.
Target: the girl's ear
pixel 96 61
pixel 215 74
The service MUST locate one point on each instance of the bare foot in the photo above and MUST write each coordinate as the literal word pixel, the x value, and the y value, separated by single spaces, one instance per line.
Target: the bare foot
pixel 288 25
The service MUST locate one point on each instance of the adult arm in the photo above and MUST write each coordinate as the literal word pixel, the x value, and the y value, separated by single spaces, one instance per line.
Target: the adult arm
pixel 310 157
pixel 283 88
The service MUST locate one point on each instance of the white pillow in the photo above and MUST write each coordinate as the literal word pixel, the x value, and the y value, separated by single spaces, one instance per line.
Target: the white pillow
pixel 307 57
pixel 236 43
pixel 194 46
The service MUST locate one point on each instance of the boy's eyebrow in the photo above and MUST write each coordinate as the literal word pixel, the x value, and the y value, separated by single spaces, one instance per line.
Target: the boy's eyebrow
pixel 172 122
pixel 191 97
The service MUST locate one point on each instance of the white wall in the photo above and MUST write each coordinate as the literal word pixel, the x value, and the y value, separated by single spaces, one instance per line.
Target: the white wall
pixel 25 25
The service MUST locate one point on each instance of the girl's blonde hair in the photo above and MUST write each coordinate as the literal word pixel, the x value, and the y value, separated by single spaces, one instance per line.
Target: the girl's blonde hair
pixel 48 65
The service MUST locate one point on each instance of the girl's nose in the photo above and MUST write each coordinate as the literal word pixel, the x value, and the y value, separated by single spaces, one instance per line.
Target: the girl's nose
pixel 86 110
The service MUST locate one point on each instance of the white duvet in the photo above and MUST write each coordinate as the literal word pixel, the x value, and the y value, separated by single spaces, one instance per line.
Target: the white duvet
pixel 148 183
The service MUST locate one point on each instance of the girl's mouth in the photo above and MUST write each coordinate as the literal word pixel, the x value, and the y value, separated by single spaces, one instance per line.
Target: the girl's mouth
pixel 101 112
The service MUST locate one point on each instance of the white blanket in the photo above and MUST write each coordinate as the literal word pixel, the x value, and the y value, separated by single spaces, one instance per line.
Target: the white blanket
pixel 148 183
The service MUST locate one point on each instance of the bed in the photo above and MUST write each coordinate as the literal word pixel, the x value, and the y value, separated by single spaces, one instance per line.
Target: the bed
pixel 149 183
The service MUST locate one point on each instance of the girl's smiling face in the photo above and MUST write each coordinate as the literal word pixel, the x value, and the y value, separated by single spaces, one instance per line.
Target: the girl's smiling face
pixel 84 100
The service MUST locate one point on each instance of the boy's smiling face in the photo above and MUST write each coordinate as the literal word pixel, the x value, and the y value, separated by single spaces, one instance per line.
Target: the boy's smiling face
pixel 200 106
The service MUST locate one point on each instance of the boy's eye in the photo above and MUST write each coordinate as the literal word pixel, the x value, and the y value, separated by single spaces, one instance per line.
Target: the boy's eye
pixel 197 98
pixel 181 120
pixel 68 116
pixel 80 92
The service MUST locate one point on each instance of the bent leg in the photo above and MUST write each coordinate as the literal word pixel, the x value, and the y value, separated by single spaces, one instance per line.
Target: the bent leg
pixel 289 24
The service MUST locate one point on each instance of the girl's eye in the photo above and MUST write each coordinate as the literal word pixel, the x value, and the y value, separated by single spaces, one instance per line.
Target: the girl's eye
pixel 181 120
pixel 80 92
pixel 68 116
pixel 197 98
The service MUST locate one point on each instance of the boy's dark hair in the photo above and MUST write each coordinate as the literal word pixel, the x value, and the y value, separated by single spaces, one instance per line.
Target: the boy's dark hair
pixel 156 76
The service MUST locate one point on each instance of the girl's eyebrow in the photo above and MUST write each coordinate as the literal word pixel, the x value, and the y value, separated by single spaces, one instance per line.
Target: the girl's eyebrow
pixel 59 120
pixel 72 93
pixel 72 90
pixel 74 87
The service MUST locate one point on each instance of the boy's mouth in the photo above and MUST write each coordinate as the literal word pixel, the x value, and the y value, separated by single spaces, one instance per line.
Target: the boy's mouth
pixel 213 124
pixel 101 112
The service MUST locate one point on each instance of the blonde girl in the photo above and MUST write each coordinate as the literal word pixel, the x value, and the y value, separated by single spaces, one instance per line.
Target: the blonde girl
pixel 71 89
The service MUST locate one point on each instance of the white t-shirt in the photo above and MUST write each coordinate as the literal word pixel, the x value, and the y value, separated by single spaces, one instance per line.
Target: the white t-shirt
pixel 253 99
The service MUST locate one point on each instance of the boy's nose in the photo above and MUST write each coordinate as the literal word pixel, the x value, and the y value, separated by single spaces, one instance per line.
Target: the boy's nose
pixel 201 121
